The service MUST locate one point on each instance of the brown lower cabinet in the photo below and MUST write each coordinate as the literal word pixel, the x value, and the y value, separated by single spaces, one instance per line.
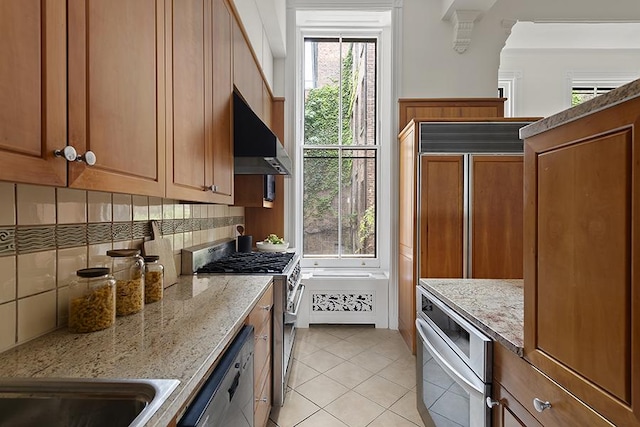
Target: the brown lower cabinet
pixel 519 383
pixel 262 321
pixel 581 263
pixel 509 412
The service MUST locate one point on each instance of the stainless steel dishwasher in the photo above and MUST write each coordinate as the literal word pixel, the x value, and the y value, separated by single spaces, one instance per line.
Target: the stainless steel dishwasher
pixel 226 398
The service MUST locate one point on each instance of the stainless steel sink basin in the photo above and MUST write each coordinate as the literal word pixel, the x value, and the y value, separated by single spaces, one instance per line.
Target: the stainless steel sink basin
pixel 81 402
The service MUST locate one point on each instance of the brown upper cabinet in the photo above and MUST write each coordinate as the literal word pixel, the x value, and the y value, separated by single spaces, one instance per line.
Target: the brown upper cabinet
pixel 581 263
pixel 33 86
pixel 116 94
pixel 113 101
pixel 246 73
pixel 146 86
pixel 199 76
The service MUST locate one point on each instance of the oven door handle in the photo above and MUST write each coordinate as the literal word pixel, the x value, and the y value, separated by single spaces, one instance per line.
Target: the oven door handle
pixel 290 317
pixel 466 378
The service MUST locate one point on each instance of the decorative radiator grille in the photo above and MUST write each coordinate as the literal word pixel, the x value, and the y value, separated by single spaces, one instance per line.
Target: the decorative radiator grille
pixel 342 302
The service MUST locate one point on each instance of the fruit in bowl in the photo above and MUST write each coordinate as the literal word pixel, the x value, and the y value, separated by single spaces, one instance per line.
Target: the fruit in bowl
pixel 272 243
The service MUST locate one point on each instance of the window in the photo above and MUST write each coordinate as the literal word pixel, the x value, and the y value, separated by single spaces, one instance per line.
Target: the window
pixel 582 93
pixel 340 148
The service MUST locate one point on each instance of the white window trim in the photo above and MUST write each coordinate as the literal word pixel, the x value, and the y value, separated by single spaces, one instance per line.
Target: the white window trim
pixel 595 78
pixel 510 81
pixel 348 262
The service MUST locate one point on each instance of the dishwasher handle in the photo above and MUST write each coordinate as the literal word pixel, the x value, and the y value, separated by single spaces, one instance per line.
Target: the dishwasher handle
pixel 234 386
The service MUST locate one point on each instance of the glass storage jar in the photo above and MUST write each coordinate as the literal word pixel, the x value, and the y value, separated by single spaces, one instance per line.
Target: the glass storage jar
pixel 127 266
pixel 153 279
pixel 92 300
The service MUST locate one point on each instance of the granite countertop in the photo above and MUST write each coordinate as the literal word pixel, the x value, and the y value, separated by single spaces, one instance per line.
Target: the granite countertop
pixel 495 306
pixel 611 98
pixel 179 337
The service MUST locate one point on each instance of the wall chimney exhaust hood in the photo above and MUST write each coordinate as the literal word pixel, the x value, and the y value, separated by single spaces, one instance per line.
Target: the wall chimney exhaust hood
pixel 257 151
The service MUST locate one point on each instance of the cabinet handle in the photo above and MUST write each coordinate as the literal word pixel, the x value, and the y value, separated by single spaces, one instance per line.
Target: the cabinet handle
pixel 491 403
pixel 68 152
pixel 265 307
pixel 89 158
pixel 263 400
pixel 212 188
pixel 540 405
pixel 262 337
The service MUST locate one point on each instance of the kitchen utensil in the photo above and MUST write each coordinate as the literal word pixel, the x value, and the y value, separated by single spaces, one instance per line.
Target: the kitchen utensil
pixel 162 248
pixel 245 243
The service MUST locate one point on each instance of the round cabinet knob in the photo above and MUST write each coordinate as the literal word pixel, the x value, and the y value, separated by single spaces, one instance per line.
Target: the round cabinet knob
pixel 89 158
pixel 68 152
pixel 540 405
pixel 491 403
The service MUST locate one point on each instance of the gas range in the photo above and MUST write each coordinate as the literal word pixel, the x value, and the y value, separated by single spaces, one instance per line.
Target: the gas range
pixel 220 257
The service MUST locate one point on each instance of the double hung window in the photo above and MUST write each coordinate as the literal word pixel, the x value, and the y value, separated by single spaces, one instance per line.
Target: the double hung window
pixel 340 148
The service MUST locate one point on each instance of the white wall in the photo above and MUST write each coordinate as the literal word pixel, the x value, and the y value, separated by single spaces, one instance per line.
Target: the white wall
pixel 544 85
pixel 430 66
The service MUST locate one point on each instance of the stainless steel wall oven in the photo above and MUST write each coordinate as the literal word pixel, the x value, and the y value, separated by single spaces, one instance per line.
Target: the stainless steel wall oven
pixel 453 366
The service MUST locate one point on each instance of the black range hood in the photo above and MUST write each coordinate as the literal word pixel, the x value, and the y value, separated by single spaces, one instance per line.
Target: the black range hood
pixel 257 151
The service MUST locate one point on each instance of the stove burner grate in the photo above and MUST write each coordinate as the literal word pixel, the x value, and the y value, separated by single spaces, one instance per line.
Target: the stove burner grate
pixel 250 262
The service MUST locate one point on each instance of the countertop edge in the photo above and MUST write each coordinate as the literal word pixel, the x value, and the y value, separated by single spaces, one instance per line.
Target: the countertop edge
pixel 614 97
pixel 486 328
pixel 166 414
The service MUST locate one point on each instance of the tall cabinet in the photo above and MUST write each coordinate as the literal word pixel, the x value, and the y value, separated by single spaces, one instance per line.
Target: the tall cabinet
pixel 408 150
pixel 581 262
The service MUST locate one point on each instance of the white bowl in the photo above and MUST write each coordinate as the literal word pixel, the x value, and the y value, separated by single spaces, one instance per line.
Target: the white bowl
pixel 271 247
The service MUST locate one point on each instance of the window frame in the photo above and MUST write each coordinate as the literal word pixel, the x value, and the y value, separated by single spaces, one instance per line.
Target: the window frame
pixel 595 80
pixel 346 261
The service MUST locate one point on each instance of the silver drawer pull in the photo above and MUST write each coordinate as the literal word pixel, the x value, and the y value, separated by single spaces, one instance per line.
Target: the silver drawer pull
pixel 540 405
pixel 491 403
pixel 265 307
pixel 262 337
pixel 263 400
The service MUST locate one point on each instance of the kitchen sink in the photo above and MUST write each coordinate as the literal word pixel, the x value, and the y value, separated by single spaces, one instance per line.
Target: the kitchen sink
pixel 72 402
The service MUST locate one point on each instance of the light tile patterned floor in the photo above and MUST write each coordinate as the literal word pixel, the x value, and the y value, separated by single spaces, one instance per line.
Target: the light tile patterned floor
pixel 349 376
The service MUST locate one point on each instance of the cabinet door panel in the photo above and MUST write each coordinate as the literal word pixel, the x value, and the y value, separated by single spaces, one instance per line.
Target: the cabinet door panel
pixel 589 246
pixel 116 94
pixel 497 216
pixel 407 279
pixel 32 91
pixel 188 154
pixel 222 176
pixel 246 75
pixel 441 216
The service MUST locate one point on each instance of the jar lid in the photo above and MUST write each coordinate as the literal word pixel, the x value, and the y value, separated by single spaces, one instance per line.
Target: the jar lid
pixel 121 253
pixel 151 258
pixel 92 272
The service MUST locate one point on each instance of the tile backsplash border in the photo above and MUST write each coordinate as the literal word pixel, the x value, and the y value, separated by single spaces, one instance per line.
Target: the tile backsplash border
pixel 36 224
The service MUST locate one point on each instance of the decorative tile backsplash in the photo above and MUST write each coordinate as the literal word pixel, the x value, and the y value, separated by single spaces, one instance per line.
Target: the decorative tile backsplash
pixel 47 234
